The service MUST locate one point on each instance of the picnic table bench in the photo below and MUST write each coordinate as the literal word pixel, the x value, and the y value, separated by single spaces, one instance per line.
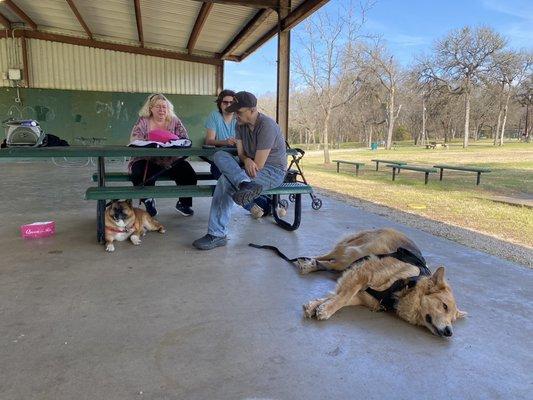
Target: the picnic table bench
pixel 102 193
pixel 357 165
pixel 426 170
pixel 377 161
pixel 436 145
pixel 478 170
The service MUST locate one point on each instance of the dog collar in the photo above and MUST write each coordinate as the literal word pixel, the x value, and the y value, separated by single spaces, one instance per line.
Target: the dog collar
pixel 110 228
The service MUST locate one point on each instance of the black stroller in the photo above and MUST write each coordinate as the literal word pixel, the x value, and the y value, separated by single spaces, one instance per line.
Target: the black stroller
pixel 297 175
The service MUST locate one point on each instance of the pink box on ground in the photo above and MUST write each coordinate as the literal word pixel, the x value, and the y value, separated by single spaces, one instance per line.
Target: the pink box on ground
pixel 38 230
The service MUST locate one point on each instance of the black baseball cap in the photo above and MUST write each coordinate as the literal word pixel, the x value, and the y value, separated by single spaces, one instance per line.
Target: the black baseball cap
pixel 242 99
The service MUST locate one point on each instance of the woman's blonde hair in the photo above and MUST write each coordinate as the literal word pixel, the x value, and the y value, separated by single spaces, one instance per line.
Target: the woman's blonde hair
pixel 150 102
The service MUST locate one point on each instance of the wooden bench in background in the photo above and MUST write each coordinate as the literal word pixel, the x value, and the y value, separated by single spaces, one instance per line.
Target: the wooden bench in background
pixel 478 170
pixel 377 161
pixel 357 165
pixel 426 170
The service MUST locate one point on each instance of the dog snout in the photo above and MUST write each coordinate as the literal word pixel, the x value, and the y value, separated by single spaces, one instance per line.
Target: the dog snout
pixel 447 331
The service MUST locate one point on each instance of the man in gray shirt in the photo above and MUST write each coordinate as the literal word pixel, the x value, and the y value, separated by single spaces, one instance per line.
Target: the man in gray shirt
pixel 261 150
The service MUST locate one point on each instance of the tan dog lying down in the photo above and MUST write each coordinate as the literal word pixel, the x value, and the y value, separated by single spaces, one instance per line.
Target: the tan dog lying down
pixel 424 300
pixel 383 270
pixel 123 221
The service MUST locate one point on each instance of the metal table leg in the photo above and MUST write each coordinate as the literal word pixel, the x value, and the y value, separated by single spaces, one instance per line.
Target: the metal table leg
pixel 100 205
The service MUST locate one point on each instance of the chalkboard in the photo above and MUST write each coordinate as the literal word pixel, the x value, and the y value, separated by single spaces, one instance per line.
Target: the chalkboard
pixel 108 116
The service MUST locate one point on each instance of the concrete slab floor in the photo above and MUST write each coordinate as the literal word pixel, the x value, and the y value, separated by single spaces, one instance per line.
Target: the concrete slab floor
pixel 164 321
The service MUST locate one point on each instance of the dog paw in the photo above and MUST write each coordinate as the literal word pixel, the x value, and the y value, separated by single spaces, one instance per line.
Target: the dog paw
pixel 321 312
pixel 162 230
pixel 110 247
pixel 309 310
pixel 135 240
pixel 306 265
pixel 311 306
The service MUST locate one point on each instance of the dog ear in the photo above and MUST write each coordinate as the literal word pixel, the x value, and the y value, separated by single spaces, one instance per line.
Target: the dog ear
pixel 438 277
pixel 460 314
pixel 129 202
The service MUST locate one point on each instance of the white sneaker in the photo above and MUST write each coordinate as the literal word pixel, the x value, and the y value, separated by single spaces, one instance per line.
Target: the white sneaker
pixel 256 212
pixel 282 211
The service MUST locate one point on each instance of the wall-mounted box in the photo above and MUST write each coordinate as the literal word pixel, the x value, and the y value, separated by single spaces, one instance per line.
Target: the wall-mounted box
pixel 14 74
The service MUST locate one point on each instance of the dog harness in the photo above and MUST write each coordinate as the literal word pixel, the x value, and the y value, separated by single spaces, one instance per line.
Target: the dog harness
pixel 387 298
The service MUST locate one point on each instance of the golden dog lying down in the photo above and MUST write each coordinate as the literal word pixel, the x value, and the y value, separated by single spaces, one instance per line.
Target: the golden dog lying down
pixel 123 221
pixel 385 282
pixel 383 270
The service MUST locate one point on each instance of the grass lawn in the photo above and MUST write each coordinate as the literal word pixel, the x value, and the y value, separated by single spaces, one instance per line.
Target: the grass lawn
pixel 456 200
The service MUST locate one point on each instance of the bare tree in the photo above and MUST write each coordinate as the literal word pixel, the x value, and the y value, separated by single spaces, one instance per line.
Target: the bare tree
pixel 461 60
pixel 321 61
pixel 510 68
pixel 525 99
pixel 378 63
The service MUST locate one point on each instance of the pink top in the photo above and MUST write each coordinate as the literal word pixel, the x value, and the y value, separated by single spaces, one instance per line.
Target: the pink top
pixel 141 131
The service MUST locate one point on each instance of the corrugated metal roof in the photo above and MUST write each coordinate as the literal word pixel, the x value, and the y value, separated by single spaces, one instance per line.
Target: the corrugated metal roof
pixel 223 23
pixel 167 24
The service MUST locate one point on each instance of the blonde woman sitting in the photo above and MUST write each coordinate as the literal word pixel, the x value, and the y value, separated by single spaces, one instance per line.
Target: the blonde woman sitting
pixel 157 122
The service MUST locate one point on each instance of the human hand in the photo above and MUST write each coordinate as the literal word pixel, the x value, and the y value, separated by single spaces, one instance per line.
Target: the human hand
pixel 231 141
pixel 250 167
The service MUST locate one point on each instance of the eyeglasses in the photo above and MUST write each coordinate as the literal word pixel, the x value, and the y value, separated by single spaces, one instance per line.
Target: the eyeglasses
pixel 228 103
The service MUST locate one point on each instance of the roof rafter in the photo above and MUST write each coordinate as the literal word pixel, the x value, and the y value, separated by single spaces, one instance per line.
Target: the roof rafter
pixel 247 3
pixel 53 37
pixel 138 18
pixel 80 19
pixel 305 9
pixel 245 32
pixel 4 21
pixel 21 14
pixel 198 25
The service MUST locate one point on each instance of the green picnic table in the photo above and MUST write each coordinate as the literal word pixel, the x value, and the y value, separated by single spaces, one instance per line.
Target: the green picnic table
pixel 102 192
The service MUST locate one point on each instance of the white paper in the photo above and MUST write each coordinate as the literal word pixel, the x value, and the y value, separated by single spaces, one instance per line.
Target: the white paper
pixel 172 143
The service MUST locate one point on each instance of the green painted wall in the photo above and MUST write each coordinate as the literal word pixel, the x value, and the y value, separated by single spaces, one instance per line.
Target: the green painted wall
pixel 110 115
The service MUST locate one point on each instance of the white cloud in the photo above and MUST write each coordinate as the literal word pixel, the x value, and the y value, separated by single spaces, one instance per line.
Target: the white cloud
pixel 522 9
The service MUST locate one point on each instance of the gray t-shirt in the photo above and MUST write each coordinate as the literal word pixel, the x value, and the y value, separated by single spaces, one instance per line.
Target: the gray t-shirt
pixel 266 135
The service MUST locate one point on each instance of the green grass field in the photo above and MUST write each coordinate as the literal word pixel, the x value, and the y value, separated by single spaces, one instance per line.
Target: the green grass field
pixel 456 200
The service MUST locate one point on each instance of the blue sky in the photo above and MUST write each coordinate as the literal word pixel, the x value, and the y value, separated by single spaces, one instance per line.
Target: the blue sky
pixel 409 27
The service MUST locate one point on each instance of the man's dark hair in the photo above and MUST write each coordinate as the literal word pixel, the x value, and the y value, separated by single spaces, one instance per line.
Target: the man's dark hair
pixel 221 95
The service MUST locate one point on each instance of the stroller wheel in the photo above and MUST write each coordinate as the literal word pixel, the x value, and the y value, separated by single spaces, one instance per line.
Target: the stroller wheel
pixel 284 203
pixel 316 204
pixel 292 198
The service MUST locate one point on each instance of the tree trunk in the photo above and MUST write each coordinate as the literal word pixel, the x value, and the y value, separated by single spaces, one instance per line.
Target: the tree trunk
pixel 500 109
pixel 498 127
pixel 505 116
pixel 528 136
pixel 391 120
pixel 423 136
pixel 370 135
pixel 467 118
pixel 325 138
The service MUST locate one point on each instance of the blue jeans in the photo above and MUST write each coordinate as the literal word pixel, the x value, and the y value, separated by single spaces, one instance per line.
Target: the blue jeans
pixel 232 175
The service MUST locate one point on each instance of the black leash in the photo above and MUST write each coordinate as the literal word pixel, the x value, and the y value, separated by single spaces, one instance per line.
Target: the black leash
pixel 278 252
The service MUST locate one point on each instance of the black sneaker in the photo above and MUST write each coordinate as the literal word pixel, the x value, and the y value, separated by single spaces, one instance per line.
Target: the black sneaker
pixel 247 192
pixel 186 211
pixel 149 204
pixel 209 242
